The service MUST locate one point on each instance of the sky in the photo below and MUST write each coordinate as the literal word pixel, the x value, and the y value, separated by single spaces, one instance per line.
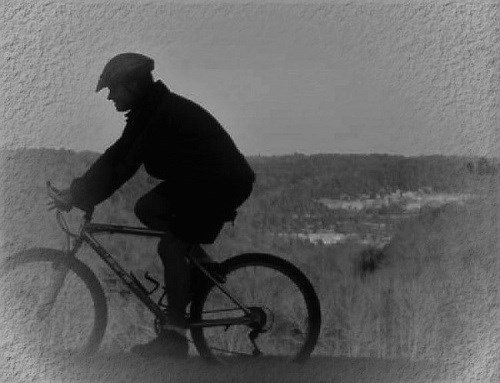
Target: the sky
pixel 281 79
pixel 274 98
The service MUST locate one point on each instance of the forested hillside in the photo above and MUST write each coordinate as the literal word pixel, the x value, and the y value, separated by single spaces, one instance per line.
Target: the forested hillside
pixel 289 185
pixel 285 197
pixel 287 190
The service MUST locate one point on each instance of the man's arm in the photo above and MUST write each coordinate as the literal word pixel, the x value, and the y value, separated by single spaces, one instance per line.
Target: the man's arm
pixel 111 170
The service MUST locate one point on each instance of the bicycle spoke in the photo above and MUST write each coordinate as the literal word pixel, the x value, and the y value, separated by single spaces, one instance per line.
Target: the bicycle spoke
pixel 253 281
pixel 273 299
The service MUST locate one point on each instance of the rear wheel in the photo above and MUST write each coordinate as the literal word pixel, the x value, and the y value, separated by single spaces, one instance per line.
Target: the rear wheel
pixel 52 304
pixel 283 311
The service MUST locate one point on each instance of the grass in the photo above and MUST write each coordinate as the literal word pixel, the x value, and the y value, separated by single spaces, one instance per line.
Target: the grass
pixel 433 294
pixel 422 302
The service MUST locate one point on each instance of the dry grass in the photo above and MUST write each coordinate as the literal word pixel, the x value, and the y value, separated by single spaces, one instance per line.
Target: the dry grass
pixel 436 297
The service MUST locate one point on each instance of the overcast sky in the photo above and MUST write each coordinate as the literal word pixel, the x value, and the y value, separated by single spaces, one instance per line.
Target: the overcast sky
pixel 281 79
pixel 281 95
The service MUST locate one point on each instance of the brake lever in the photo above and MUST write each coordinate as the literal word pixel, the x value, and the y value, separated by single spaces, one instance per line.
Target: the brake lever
pixel 54 194
pixel 53 191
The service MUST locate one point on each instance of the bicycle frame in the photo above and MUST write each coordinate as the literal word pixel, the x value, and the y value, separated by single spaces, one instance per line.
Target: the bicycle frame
pixel 86 236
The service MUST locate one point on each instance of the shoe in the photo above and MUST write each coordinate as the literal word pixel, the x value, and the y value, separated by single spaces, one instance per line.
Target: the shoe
pixel 168 344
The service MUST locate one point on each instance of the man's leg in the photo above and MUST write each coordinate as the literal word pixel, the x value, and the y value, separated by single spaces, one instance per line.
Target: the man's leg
pixel 172 252
pixel 152 210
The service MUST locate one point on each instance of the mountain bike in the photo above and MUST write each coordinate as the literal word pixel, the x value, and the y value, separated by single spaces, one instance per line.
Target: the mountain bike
pixel 259 305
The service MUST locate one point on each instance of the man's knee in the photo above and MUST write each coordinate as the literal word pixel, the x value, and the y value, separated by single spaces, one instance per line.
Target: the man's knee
pixel 152 210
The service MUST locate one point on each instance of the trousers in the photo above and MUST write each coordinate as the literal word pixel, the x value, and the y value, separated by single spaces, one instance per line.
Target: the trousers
pixel 189 213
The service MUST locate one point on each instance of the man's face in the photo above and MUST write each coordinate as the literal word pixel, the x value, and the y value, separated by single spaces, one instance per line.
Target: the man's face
pixel 123 98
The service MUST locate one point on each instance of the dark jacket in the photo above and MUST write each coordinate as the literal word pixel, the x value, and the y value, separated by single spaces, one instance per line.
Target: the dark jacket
pixel 175 139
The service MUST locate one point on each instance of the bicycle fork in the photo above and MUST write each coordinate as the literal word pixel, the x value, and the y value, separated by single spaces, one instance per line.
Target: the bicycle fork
pixel 50 297
pixel 60 272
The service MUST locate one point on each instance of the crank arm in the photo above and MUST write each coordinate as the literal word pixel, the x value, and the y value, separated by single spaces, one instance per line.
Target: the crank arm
pixel 223 322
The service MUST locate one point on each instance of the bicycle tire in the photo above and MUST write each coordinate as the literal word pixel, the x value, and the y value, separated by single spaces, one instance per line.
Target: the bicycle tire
pixel 77 272
pixel 269 262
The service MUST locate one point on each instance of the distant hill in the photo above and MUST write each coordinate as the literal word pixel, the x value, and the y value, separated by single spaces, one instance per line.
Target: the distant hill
pixel 286 186
pixel 330 175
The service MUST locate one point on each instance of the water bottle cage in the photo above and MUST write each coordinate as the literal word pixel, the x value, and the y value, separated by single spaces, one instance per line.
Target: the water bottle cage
pixel 152 280
pixel 160 301
pixel 156 286
pixel 149 278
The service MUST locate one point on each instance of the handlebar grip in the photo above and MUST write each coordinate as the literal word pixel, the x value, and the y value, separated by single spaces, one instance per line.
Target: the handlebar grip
pixel 54 194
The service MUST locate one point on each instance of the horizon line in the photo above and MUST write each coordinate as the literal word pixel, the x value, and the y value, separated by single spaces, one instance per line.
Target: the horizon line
pixel 290 154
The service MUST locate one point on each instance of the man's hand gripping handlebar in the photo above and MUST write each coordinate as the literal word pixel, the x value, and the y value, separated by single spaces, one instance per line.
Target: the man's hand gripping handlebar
pixel 61 200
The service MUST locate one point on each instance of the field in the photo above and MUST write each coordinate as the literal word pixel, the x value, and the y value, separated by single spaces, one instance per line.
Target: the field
pixel 429 298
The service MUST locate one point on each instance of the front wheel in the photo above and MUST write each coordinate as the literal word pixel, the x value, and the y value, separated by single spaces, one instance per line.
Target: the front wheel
pixel 282 303
pixel 52 304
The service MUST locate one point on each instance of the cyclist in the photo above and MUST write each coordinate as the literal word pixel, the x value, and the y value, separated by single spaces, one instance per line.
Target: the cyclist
pixel 205 178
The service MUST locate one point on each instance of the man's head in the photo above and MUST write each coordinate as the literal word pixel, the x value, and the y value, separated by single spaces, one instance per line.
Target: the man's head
pixel 127 76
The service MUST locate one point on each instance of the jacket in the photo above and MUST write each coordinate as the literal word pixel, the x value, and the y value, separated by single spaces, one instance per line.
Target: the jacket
pixel 175 139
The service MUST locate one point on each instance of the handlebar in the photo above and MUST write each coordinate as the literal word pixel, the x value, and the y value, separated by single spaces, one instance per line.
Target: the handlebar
pixel 54 193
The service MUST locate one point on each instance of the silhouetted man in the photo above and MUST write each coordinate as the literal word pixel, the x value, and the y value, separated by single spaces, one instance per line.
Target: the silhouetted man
pixel 205 178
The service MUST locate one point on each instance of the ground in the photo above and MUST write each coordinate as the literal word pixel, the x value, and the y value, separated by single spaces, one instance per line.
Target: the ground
pixel 124 367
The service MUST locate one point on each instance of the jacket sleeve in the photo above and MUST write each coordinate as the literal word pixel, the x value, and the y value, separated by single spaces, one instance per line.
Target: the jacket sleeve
pixel 111 170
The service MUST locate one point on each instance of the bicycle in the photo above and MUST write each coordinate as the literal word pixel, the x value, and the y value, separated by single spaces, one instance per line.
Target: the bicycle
pixel 228 319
